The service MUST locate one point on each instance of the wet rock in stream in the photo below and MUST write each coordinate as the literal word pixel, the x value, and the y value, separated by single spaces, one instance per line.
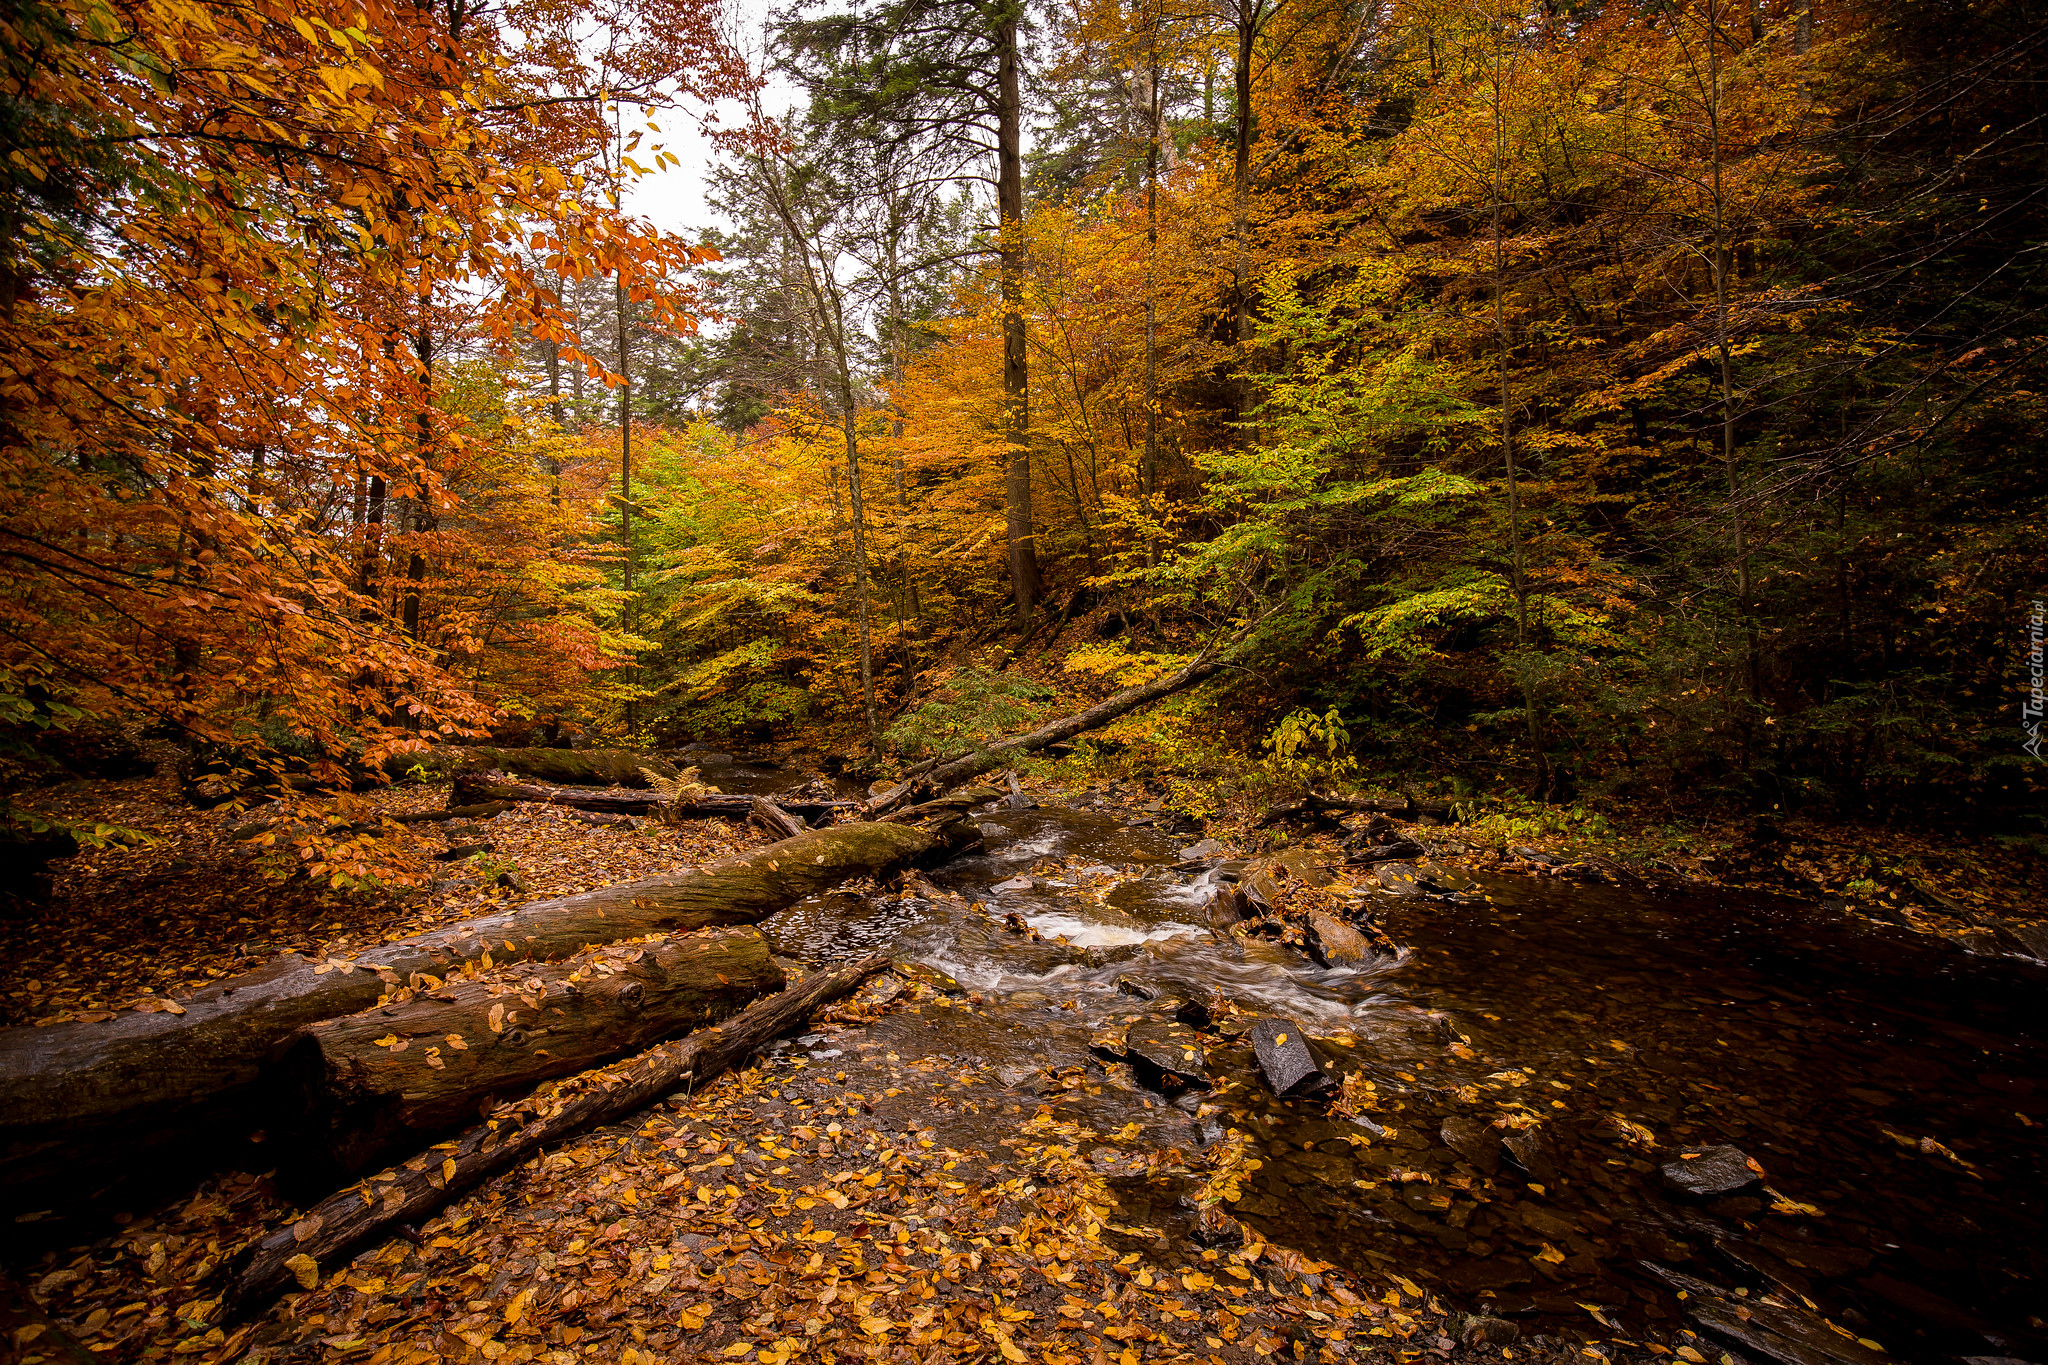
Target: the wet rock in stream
pixel 1780 1331
pixel 1401 879
pixel 1333 943
pixel 1710 1171
pixel 1531 1151
pixel 1478 1143
pixel 1285 1060
pixel 1170 1049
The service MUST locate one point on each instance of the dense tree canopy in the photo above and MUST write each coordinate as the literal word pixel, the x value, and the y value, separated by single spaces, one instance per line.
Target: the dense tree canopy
pixel 1638 397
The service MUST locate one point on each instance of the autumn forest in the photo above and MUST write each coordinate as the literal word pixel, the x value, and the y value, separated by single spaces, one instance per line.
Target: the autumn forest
pixel 1304 680
pixel 1617 400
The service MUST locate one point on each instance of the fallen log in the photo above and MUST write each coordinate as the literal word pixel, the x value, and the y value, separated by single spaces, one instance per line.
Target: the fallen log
pixel 565 767
pixel 407 1194
pixel 493 786
pixel 85 1102
pixel 436 1054
pixel 952 804
pixel 1312 807
pixel 482 811
pixel 774 818
pixel 1008 751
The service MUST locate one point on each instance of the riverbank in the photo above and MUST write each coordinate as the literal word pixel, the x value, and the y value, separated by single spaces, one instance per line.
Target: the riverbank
pixel 1629 1025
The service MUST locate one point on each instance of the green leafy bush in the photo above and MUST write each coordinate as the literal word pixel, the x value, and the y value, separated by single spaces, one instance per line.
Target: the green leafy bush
pixel 972 708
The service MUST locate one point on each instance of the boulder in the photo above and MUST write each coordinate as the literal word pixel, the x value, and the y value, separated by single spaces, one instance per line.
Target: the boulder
pixel 1305 864
pixel 1531 1151
pixel 1705 1171
pixel 1388 852
pixel 1285 1060
pixel 1478 1143
pixel 1477 1329
pixel 1227 907
pixel 1170 1049
pixel 1401 879
pixel 1333 943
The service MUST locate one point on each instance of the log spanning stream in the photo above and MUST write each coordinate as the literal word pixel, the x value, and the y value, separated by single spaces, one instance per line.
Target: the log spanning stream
pixel 1895 1096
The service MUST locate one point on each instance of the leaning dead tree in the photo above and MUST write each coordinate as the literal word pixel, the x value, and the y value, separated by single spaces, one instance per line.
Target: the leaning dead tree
pixel 1007 751
pixel 89 1103
pixel 407 1194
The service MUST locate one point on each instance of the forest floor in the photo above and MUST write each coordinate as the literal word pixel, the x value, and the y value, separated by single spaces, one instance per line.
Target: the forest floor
pixel 779 1214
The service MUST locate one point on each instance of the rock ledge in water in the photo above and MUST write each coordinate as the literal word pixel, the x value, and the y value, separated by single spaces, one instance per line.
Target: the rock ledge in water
pixel 1710 1171
pixel 1284 1057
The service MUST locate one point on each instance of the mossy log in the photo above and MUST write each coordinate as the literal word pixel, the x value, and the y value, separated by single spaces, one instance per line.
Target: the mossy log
pixel 86 1100
pixel 496 786
pixel 566 767
pixel 440 1053
pixel 408 1194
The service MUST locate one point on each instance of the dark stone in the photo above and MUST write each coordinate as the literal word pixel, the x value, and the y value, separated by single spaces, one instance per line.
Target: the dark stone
pixel 2030 940
pixel 1333 943
pixel 1476 1329
pixel 1290 1068
pixel 1029 1079
pixel 1207 848
pixel 1531 1151
pixel 1400 878
pixel 1215 1228
pixel 1168 1049
pixel 1227 907
pixel 1388 852
pixel 1534 855
pixel 461 851
pixel 1708 1171
pixel 1132 985
pixel 1260 887
pixel 1791 1336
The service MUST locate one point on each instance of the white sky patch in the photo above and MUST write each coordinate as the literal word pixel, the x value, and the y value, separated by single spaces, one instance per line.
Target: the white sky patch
pixel 672 198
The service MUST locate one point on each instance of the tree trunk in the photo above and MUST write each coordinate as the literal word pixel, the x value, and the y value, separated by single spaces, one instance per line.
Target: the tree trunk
pixel 409 1193
pixel 436 1057
pixel 1024 581
pixel 479 787
pixel 81 1103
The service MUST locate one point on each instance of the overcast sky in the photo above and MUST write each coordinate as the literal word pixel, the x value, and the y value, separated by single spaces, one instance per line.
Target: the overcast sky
pixel 673 198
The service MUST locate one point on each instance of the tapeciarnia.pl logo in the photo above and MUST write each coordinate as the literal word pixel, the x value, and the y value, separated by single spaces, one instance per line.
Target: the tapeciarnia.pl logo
pixel 2030 709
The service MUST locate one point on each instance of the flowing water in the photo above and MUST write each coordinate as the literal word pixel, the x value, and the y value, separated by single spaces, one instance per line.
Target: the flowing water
pixel 1894 1095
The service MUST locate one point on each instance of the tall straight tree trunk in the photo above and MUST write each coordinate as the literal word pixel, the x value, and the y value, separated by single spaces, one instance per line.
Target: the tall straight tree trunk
pixel 626 465
pixel 1744 584
pixel 1024 580
pixel 423 514
pixel 1504 346
pixel 1250 16
pixel 1149 475
pixel 897 345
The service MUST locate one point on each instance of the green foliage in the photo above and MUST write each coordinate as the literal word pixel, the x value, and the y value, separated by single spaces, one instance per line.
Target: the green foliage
pixel 736 691
pixel 491 867
pixel 1310 749
pixel 972 708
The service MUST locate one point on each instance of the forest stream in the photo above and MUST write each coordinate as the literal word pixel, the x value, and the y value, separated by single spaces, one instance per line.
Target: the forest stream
pixel 1886 1111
